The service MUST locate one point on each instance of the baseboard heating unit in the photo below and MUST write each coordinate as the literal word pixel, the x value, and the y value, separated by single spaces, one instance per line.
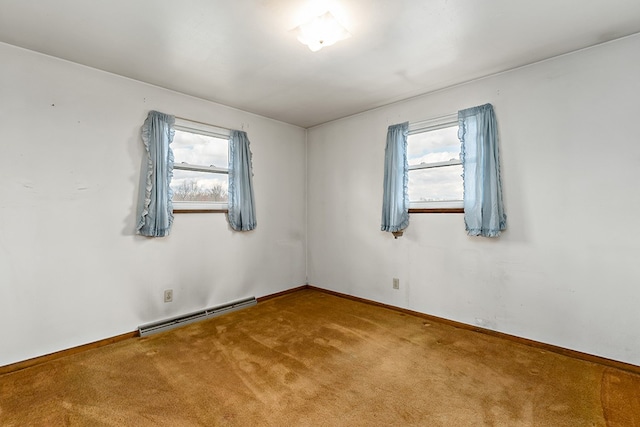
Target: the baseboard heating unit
pixel 174 322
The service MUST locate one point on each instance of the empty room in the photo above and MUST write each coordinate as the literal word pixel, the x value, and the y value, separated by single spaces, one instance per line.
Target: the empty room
pixel 319 213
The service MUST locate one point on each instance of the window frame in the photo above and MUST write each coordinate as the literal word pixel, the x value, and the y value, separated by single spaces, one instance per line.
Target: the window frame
pixel 199 128
pixel 447 206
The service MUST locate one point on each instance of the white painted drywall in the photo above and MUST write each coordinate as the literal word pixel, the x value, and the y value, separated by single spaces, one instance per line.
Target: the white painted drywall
pixel 71 269
pixel 567 270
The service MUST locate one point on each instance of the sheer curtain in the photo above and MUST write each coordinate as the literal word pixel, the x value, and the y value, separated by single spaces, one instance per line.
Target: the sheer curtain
pixel 483 209
pixel 155 209
pixel 242 216
pixel 395 201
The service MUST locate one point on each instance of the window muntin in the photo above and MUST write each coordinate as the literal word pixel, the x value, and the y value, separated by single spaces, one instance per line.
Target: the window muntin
pixel 201 167
pixel 435 169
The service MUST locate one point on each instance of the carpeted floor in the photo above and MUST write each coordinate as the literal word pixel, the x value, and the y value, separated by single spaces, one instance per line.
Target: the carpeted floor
pixel 314 359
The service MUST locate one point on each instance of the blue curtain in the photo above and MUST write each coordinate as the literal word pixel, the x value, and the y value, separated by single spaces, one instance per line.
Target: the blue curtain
pixel 242 215
pixel 395 201
pixel 483 209
pixel 155 209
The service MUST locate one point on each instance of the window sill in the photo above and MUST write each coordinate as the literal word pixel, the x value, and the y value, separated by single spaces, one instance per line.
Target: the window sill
pixel 436 210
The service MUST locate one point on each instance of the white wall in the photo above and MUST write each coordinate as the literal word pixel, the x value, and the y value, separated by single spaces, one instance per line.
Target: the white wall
pixel 567 270
pixel 71 269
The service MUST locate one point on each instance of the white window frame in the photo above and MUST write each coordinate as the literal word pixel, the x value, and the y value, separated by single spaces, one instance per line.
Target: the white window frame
pixel 185 125
pixel 442 122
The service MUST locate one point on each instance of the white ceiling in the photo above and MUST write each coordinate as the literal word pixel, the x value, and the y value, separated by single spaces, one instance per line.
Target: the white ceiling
pixel 241 53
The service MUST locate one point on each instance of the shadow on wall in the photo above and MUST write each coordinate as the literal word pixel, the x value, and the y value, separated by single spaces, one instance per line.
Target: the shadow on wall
pixel 137 180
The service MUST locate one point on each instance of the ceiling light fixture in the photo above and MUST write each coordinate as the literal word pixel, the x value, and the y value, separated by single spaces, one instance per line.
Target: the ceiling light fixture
pixel 323 30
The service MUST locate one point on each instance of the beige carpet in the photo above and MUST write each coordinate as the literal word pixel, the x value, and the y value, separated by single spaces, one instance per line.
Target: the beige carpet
pixel 314 359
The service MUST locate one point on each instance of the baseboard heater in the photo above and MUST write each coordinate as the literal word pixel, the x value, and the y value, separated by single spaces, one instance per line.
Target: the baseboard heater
pixel 174 322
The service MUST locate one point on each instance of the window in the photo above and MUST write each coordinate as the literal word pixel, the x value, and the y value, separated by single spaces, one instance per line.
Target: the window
pixel 435 169
pixel 201 167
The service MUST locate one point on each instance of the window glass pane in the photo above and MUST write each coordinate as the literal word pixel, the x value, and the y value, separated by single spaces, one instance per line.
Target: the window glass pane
pixel 433 146
pixel 436 184
pixel 200 150
pixel 190 186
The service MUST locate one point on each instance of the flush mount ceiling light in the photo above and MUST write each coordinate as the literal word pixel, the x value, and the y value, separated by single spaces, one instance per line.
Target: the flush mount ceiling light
pixel 323 30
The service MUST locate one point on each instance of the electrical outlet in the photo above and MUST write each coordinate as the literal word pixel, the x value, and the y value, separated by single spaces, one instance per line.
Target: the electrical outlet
pixel 168 295
pixel 396 283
